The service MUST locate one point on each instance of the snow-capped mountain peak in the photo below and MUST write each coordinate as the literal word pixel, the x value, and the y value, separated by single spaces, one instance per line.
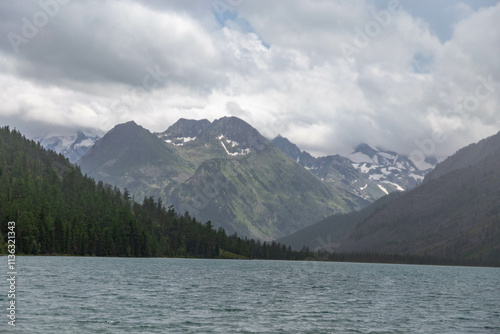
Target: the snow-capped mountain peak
pixel 72 146
pixel 368 172
pixel 387 167
pixel 227 136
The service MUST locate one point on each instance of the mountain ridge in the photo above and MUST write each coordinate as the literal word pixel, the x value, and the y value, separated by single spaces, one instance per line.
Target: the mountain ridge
pixel 188 172
pixel 366 172
pixel 467 156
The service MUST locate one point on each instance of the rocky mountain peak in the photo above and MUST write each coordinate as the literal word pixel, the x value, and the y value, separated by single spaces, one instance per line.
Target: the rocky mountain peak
pixel 365 149
pixel 186 128
pixel 287 147
pixel 230 136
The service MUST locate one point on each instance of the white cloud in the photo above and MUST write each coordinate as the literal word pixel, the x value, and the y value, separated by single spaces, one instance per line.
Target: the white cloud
pixel 279 68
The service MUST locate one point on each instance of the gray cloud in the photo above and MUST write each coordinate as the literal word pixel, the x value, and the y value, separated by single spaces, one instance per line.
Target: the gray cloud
pixel 109 42
pixel 93 64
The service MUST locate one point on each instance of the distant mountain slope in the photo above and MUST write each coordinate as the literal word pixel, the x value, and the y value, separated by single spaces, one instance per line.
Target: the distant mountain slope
pixel 329 232
pixel 223 171
pixel 455 215
pixel 367 172
pixel 72 147
pixel 467 156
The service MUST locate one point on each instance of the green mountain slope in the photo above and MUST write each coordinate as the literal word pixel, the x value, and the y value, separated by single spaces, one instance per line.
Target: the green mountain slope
pixel 131 157
pixel 223 171
pixel 264 195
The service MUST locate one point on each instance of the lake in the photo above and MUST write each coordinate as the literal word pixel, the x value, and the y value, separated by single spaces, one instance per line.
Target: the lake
pixel 131 295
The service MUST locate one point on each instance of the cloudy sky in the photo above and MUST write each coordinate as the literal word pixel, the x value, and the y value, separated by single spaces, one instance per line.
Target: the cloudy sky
pixel 417 77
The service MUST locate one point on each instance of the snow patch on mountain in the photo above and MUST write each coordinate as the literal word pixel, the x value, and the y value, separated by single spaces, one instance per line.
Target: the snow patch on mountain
pixel 383 189
pixel 376 177
pixel 179 141
pixel 233 144
pixel 398 187
pixel 365 167
pixel 417 177
pixel 85 143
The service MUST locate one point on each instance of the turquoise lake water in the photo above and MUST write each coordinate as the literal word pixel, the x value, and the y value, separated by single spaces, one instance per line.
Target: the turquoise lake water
pixel 128 295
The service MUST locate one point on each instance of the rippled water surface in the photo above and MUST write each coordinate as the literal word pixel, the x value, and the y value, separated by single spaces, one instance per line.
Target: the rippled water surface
pixel 123 295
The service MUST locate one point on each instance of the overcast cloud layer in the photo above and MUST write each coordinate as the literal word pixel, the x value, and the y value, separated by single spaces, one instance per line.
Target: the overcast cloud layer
pixel 415 77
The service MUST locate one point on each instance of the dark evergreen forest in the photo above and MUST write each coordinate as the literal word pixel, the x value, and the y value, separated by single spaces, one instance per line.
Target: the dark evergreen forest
pixel 58 210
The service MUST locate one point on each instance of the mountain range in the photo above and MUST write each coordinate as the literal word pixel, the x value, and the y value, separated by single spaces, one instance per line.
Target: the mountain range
pixel 224 171
pixel 454 213
pixel 367 172
pixel 227 172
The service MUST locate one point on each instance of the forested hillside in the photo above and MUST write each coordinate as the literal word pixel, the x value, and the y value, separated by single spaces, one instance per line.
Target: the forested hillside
pixel 58 210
